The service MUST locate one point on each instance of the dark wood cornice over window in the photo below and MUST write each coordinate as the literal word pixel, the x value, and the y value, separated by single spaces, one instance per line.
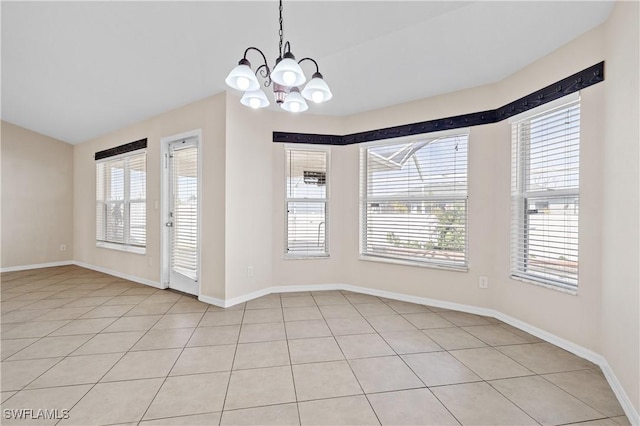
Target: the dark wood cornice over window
pixel 585 78
pixel 122 149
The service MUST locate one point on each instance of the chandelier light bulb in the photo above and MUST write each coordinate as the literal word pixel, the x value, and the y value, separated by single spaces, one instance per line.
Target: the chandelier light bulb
pixel 242 77
pixel 317 96
pixel 317 90
pixel 289 78
pixel 255 99
pixel 254 103
pixel 294 102
pixel 287 72
pixel 243 83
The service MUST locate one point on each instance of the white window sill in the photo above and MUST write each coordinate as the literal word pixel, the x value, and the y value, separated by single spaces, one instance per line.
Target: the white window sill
pixel 121 247
pixel 306 257
pixel 543 284
pixel 412 263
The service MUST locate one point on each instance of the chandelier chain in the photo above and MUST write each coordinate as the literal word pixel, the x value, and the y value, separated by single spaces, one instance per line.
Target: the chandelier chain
pixel 281 32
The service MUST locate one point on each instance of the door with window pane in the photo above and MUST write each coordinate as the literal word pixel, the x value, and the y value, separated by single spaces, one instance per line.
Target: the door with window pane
pixel 182 221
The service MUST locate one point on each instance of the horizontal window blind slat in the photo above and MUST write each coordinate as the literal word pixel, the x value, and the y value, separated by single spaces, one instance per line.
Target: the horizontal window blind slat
pixel 544 233
pixel 120 220
pixel 414 200
pixel 184 179
pixel 306 183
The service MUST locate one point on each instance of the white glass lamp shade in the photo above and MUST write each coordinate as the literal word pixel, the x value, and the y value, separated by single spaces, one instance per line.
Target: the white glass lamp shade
pixel 294 102
pixel 287 72
pixel 255 99
pixel 317 90
pixel 242 77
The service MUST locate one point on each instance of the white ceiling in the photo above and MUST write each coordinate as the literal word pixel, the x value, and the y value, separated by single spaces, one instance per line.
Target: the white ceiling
pixel 77 70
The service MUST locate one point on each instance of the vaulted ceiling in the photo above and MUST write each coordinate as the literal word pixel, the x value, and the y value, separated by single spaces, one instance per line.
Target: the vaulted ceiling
pixel 77 70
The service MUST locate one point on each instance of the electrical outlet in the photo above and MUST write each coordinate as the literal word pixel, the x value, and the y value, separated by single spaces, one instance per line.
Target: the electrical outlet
pixel 483 282
pixel 63 247
pixel 249 271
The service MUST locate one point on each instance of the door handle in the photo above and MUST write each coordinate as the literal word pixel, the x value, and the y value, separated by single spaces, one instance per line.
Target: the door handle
pixel 169 224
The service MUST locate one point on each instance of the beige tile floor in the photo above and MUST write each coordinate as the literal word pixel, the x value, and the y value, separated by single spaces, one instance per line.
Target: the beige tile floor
pixel 116 352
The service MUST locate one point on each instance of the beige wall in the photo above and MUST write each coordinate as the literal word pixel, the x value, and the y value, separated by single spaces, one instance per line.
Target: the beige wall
pixel 207 115
pixel 248 200
pixel 620 318
pixel 575 318
pixel 254 201
pixel 305 271
pixel 37 198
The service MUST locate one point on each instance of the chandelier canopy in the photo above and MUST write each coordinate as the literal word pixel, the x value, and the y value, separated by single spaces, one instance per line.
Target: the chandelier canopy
pixel 286 78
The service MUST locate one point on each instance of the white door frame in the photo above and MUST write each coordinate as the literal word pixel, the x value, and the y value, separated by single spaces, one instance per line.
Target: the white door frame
pixel 165 262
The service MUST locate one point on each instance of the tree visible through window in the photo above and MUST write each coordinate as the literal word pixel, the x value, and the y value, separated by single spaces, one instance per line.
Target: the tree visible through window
pixel 414 200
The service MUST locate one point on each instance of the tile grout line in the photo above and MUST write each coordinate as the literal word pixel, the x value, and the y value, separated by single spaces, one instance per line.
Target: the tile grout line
pixel 233 360
pixel 169 372
pixel 443 350
pixel 52 366
pixel 416 374
pixel 57 363
pixel 125 352
pixel 293 378
pixel 111 368
pixel 570 394
pixel 347 361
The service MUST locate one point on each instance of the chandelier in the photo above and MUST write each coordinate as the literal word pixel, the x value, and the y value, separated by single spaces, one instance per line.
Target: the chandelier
pixel 286 77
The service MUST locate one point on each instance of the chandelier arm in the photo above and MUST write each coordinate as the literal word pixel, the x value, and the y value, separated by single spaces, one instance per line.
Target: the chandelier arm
pixel 263 69
pixel 264 58
pixel 265 73
pixel 312 60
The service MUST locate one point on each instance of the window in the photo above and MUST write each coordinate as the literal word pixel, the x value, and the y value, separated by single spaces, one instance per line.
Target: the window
pixel 307 203
pixel 121 208
pixel 545 197
pixel 414 200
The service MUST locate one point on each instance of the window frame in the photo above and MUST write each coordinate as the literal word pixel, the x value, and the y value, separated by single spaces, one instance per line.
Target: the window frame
pixel 429 263
pixel 126 246
pixel 326 201
pixel 520 196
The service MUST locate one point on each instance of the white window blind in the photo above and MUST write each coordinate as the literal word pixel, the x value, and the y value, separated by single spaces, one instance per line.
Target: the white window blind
pixel 184 254
pixel 414 200
pixel 121 204
pixel 307 202
pixel 545 197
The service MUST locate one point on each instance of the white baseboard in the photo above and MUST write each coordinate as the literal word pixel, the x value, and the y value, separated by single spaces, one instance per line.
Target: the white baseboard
pixel 415 299
pixel 300 288
pixel 37 266
pixel 212 301
pixel 280 289
pixel 622 396
pixel 133 278
pixel 246 297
